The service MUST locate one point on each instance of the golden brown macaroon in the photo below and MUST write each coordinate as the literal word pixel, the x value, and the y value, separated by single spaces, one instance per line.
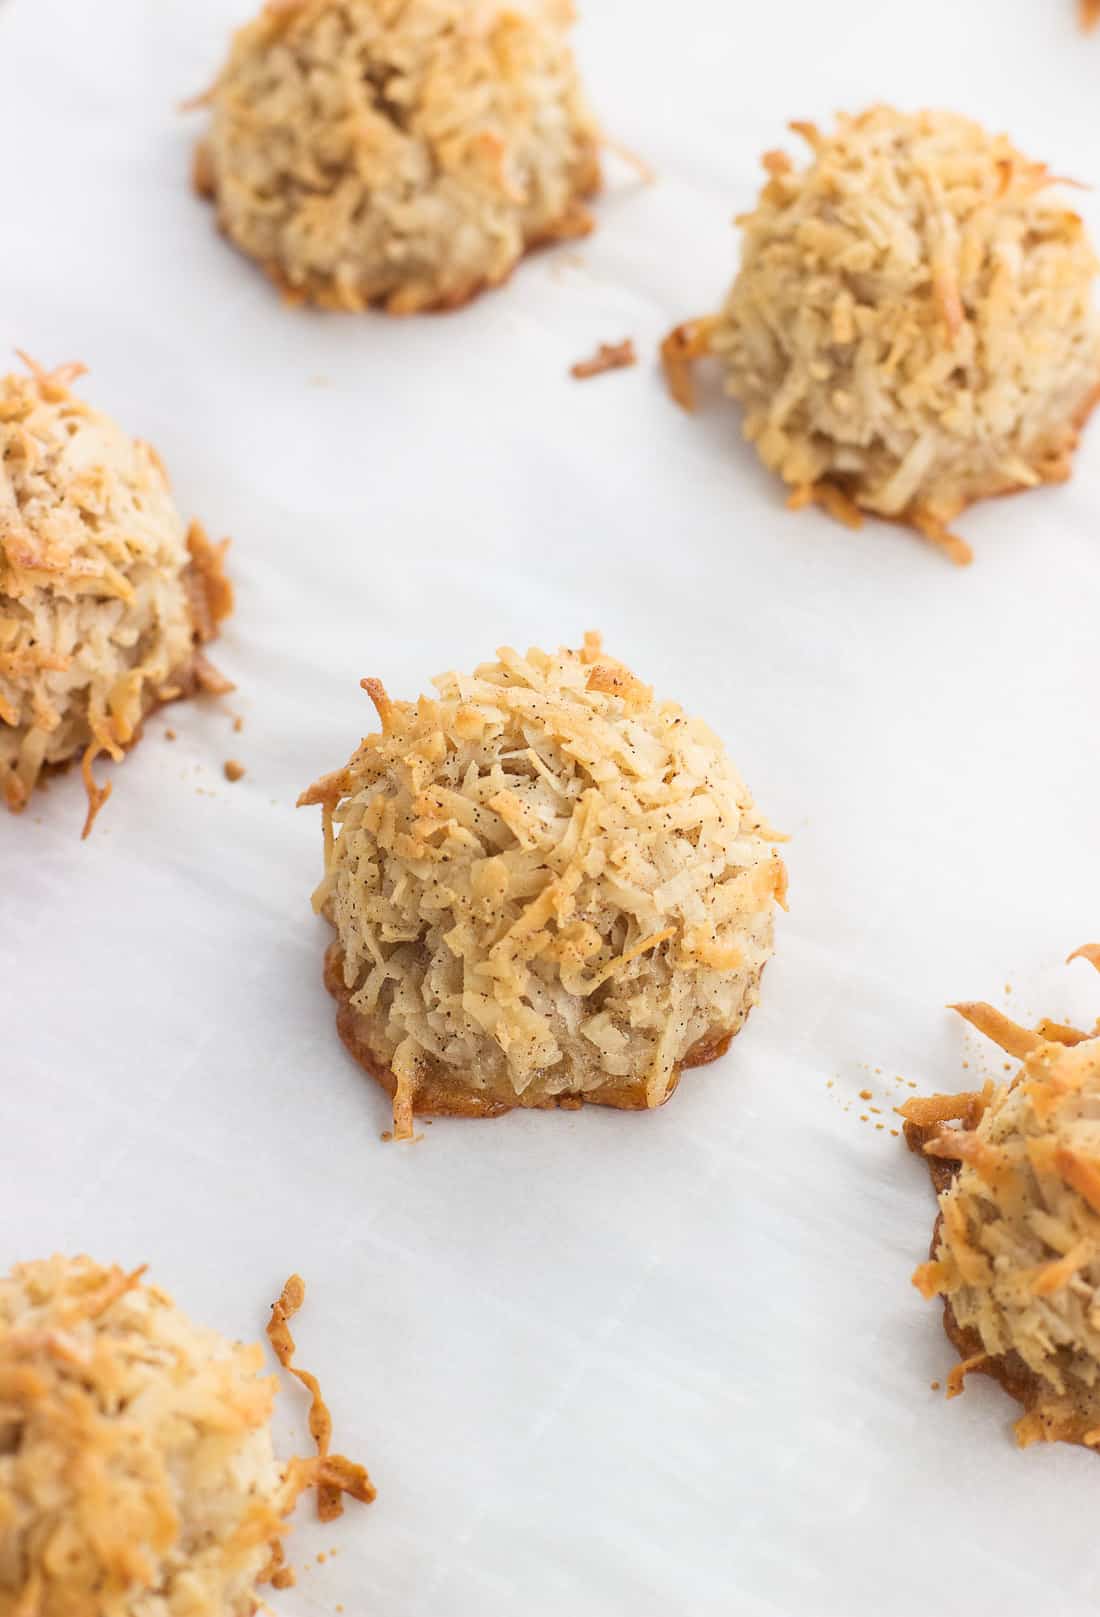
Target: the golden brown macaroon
pixel 1016 1248
pixel 547 888
pixel 1090 12
pixel 105 594
pixel 912 327
pixel 137 1474
pixel 399 152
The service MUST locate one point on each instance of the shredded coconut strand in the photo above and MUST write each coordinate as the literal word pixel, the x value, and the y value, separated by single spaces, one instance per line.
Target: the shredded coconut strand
pixel 912 327
pixel 544 883
pixel 104 593
pixel 608 357
pixel 332 1474
pixel 406 152
pixel 1017 1256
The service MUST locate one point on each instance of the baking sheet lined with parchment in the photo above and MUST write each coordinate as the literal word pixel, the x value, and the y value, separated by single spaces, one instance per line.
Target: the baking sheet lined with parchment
pixel 597 1363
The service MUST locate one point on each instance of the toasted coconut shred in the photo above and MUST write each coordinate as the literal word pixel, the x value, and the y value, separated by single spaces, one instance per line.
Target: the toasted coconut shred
pixel 912 327
pixel 332 1475
pixel 137 1475
pixel 608 357
pixel 105 594
pixel 546 888
pixel 1016 1253
pixel 400 152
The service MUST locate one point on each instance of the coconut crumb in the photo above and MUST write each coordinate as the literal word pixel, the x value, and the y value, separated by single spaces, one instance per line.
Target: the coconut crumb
pixel 234 771
pixel 608 357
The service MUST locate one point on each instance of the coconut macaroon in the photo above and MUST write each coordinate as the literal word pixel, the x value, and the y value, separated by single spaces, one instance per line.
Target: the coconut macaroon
pixel 398 152
pixel 547 888
pixel 106 594
pixel 1016 1249
pixel 912 327
pixel 137 1474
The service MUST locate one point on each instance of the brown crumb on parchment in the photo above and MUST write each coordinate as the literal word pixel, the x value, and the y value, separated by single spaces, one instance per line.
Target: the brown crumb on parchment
pixel 608 357
pixel 233 770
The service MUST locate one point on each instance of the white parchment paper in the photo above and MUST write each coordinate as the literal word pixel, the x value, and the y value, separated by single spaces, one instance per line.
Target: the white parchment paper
pixel 598 1364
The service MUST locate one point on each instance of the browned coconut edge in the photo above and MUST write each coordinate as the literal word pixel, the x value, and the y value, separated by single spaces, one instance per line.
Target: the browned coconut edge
pixel 441 1095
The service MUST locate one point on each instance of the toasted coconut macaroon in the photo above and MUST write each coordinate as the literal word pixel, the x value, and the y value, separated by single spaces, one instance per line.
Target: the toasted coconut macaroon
pixel 105 594
pixel 1016 1248
pixel 399 152
pixel 912 327
pixel 547 888
pixel 1090 12
pixel 137 1474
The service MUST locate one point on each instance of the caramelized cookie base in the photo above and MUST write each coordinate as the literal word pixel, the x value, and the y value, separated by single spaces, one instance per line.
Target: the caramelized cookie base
pixel 443 1094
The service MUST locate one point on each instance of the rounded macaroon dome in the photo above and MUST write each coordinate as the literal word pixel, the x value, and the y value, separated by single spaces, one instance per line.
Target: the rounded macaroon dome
pixel 105 593
pixel 1016 1253
pixel 137 1475
pixel 546 888
pixel 399 152
pixel 912 327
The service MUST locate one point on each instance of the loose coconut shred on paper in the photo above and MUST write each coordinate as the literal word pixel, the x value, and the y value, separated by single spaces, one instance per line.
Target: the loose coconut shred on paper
pixel 331 1474
pixel 1016 1248
pixel 608 357
pixel 106 595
